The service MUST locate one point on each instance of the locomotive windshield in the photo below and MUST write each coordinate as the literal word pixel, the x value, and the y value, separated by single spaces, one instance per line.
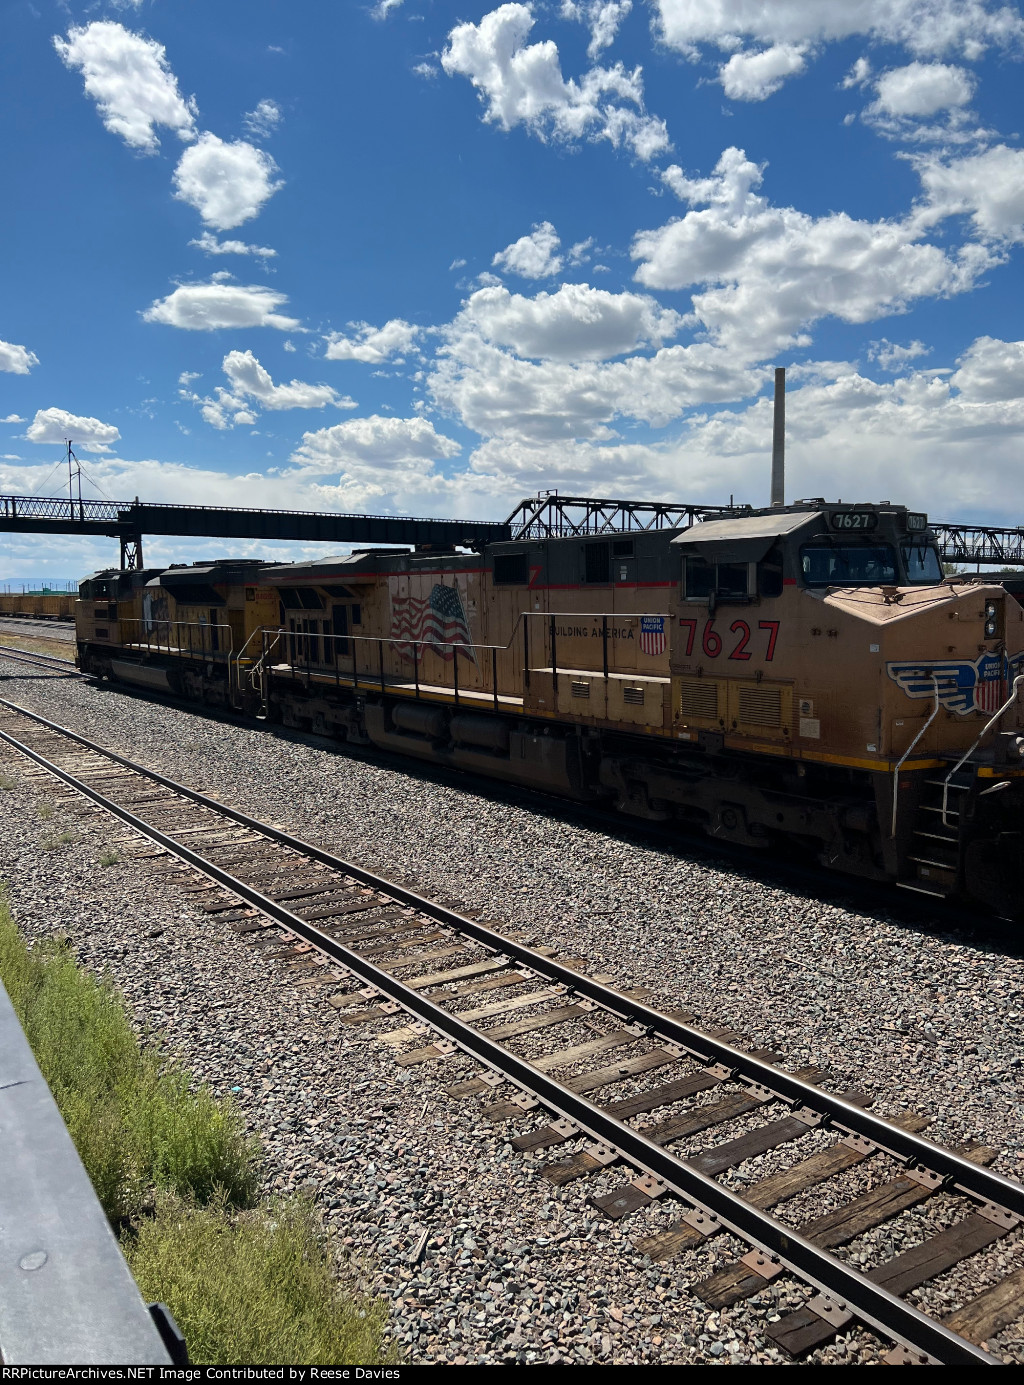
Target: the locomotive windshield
pixel 849 565
pixel 922 562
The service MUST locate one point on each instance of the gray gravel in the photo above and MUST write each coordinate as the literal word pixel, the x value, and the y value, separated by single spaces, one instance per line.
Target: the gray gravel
pixel 43 629
pixel 512 1268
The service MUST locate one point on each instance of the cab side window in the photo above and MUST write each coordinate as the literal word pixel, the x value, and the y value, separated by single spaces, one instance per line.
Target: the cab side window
pixel 699 577
pixel 725 581
pixel 769 575
pixel 597 563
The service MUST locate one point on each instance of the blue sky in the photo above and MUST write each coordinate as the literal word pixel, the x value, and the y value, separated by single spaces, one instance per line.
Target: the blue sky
pixel 428 258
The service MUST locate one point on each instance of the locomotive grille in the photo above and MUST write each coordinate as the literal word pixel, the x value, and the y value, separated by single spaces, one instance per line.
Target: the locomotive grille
pixel 760 706
pixel 698 698
pixel 580 687
pixel 634 696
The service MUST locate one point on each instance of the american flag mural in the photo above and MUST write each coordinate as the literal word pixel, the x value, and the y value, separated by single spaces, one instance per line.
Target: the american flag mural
pixel 652 634
pixel 438 619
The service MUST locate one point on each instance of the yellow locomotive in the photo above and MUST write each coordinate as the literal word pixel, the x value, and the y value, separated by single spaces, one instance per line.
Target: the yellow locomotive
pixel 800 675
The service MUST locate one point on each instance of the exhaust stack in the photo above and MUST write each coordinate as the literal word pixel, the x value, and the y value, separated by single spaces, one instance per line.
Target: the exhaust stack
pixel 778 497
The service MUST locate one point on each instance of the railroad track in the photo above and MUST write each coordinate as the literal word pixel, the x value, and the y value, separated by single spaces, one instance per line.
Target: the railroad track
pixel 644 1080
pixel 53 662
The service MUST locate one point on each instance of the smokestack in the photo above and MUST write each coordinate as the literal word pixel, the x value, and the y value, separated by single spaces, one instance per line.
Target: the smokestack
pixel 779 440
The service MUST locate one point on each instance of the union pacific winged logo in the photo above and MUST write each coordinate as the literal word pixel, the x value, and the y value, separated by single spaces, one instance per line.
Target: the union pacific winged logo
pixel 963 686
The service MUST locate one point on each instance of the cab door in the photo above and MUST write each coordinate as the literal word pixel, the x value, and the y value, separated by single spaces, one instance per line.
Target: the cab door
pixel 341 645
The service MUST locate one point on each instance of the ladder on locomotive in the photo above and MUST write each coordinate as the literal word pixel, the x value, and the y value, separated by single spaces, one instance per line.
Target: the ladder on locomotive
pixel 936 843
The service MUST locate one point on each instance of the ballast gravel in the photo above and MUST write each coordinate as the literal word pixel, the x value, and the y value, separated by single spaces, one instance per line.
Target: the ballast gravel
pixel 483 1260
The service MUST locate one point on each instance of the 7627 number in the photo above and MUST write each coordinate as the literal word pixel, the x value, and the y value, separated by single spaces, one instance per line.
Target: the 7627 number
pixel 712 644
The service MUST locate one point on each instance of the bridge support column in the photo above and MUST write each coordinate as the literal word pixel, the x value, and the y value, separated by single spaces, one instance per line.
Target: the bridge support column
pixel 131 552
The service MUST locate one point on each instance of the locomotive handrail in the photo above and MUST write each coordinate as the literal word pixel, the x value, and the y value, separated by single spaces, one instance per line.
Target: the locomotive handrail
pixel 906 755
pixel 408 641
pixel 148 625
pixel 980 737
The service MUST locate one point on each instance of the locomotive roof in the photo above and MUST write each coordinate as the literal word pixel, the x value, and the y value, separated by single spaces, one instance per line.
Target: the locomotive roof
pixel 748 538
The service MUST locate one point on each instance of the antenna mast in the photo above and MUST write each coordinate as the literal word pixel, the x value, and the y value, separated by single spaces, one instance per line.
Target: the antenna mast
pixel 74 475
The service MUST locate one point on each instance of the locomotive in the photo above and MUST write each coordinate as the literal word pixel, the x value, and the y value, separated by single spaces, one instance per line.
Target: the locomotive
pixel 801 677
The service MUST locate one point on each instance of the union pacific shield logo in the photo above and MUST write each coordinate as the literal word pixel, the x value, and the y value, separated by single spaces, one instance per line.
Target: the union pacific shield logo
pixel 963 686
pixel 652 634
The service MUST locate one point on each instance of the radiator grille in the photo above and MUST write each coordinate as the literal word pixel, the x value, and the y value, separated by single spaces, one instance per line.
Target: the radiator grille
pixel 760 706
pixel 634 696
pixel 580 687
pixel 698 698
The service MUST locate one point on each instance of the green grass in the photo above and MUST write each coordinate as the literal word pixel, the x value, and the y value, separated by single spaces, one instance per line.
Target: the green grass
pixel 62 839
pixel 133 1115
pixel 247 1285
pixel 109 857
pixel 45 809
pixel 8 781
pixel 257 1288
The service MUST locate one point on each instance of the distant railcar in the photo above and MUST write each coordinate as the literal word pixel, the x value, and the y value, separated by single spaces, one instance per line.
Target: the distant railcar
pixel 38 605
pixel 802 676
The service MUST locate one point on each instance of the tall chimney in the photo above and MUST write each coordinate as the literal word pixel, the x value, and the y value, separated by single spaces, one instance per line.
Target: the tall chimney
pixel 779 440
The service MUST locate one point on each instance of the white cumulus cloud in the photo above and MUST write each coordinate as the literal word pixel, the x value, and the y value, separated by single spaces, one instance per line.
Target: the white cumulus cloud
pixel 372 345
pixel 522 84
pixel 891 356
pixel 248 377
pixel 988 187
pixel 264 119
pixel 226 183
pixel 210 245
pixel 207 307
pixel 992 371
pixel 129 78
pixel 499 393
pixel 577 323
pixel 922 89
pixel 756 76
pixel 19 360
pixel 534 256
pixel 768 272
pixel 923 26
pixel 378 459
pixel 56 425
pixel 250 387
pixel 602 18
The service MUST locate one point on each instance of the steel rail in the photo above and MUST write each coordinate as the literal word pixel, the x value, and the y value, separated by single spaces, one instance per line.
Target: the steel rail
pixel 848 1289
pixel 39 660
pixel 914 1149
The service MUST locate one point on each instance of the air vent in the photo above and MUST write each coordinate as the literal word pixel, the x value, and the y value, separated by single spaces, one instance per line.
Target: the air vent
pixel 634 696
pixel 580 687
pixel 698 698
pixel 760 706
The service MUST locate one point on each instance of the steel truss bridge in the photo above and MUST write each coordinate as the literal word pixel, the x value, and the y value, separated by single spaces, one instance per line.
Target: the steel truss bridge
pixel 128 521
pixel 544 516
pixel 562 516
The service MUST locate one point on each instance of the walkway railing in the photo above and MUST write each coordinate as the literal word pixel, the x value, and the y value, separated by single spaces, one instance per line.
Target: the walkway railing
pixel 382 661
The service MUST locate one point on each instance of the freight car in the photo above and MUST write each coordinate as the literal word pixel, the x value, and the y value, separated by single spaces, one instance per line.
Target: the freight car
pixel 801 677
pixel 44 605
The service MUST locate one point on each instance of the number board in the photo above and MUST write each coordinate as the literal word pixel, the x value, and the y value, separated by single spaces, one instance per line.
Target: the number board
pixel 847 520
